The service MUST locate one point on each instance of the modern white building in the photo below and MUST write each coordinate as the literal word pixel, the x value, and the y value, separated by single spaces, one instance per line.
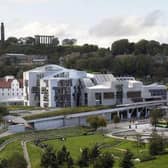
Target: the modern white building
pixel 11 90
pixel 56 86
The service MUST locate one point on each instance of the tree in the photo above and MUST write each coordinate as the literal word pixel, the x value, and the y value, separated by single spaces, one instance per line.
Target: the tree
pixel 116 119
pixel 121 47
pixel 17 160
pixel 4 163
pixel 106 160
pixel 141 47
pixel 154 48
pixel 70 162
pixel 84 158
pixel 94 152
pixel 126 162
pixel 155 115
pixel 62 155
pixel 69 42
pixel 49 159
pixel 96 121
pixel 3 112
pixel 156 144
pixel 11 41
pixel 30 40
pixel 55 41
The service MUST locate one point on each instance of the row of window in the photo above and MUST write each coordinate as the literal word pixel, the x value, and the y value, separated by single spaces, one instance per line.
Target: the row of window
pixel 158 92
pixel 8 94
pixel 110 95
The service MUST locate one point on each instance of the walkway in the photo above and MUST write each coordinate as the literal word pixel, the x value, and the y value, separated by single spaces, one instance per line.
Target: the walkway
pixel 25 153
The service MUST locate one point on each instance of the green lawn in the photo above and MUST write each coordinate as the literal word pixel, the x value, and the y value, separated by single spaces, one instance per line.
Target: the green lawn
pixel 75 140
pixel 35 155
pixel 117 147
pixel 160 162
pixel 10 149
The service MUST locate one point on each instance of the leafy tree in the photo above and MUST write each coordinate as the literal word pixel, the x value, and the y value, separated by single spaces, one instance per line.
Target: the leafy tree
pixel 121 47
pixel 155 115
pixel 17 160
pixel 49 159
pixel 3 112
pixel 62 155
pixel 154 48
pixel 156 144
pixel 30 40
pixel 94 152
pixel 11 41
pixel 141 47
pixel 116 119
pixel 4 163
pixel 106 160
pixel 84 158
pixel 70 162
pixel 56 41
pixel 69 42
pixel 96 121
pixel 126 162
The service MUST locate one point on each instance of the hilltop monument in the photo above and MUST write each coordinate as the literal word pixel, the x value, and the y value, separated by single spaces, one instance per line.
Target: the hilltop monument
pixel 2 33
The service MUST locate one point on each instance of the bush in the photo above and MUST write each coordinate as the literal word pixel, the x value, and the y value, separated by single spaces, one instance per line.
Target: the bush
pixel 156 144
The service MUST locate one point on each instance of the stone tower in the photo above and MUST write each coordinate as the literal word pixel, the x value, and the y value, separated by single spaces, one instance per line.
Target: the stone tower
pixel 2 33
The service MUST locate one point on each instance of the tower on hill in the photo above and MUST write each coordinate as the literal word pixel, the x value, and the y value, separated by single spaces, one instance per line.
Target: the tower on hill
pixel 2 33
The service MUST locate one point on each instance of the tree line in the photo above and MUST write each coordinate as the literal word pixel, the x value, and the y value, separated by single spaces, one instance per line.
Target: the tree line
pixel 144 59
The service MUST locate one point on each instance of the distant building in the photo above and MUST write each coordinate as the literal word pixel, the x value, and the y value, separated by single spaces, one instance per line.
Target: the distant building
pixel 56 86
pixel 11 90
pixel 23 59
pixel 45 40
pixel 2 33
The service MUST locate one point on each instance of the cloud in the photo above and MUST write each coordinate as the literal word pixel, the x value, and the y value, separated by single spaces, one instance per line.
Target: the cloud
pixel 27 1
pixel 103 34
pixel 152 18
pixel 125 25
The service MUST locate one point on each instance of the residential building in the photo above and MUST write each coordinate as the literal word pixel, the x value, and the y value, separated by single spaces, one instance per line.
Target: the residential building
pixel 56 86
pixel 11 90
pixel 23 59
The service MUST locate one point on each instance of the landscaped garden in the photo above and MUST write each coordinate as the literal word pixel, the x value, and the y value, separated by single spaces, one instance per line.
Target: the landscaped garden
pixel 76 139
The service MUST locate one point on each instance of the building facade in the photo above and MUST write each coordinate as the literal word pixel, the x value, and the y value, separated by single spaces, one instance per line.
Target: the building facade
pixel 23 59
pixel 11 90
pixel 56 86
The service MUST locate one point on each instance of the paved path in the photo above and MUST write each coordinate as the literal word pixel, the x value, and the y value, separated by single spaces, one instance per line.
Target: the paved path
pixel 25 153
pixel 5 134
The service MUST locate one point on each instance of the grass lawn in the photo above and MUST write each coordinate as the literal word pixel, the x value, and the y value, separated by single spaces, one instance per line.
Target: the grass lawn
pixel 117 147
pixel 10 149
pixel 74 144
pixel 35 155
pixel 160 162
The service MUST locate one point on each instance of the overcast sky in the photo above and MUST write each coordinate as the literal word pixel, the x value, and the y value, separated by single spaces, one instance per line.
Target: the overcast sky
pixel 90 21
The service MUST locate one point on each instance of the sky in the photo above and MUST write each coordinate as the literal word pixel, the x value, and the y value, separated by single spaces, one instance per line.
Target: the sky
pixel 89 21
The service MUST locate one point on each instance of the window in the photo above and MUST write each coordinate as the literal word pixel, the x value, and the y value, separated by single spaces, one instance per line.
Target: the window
pixel 134 94
pixel 86 99
pixel 109 95
pixel 98 98
pixel 158 92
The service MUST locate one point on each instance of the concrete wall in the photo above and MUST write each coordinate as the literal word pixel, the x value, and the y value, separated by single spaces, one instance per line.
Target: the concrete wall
pixel 16 128
pixel 51 124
